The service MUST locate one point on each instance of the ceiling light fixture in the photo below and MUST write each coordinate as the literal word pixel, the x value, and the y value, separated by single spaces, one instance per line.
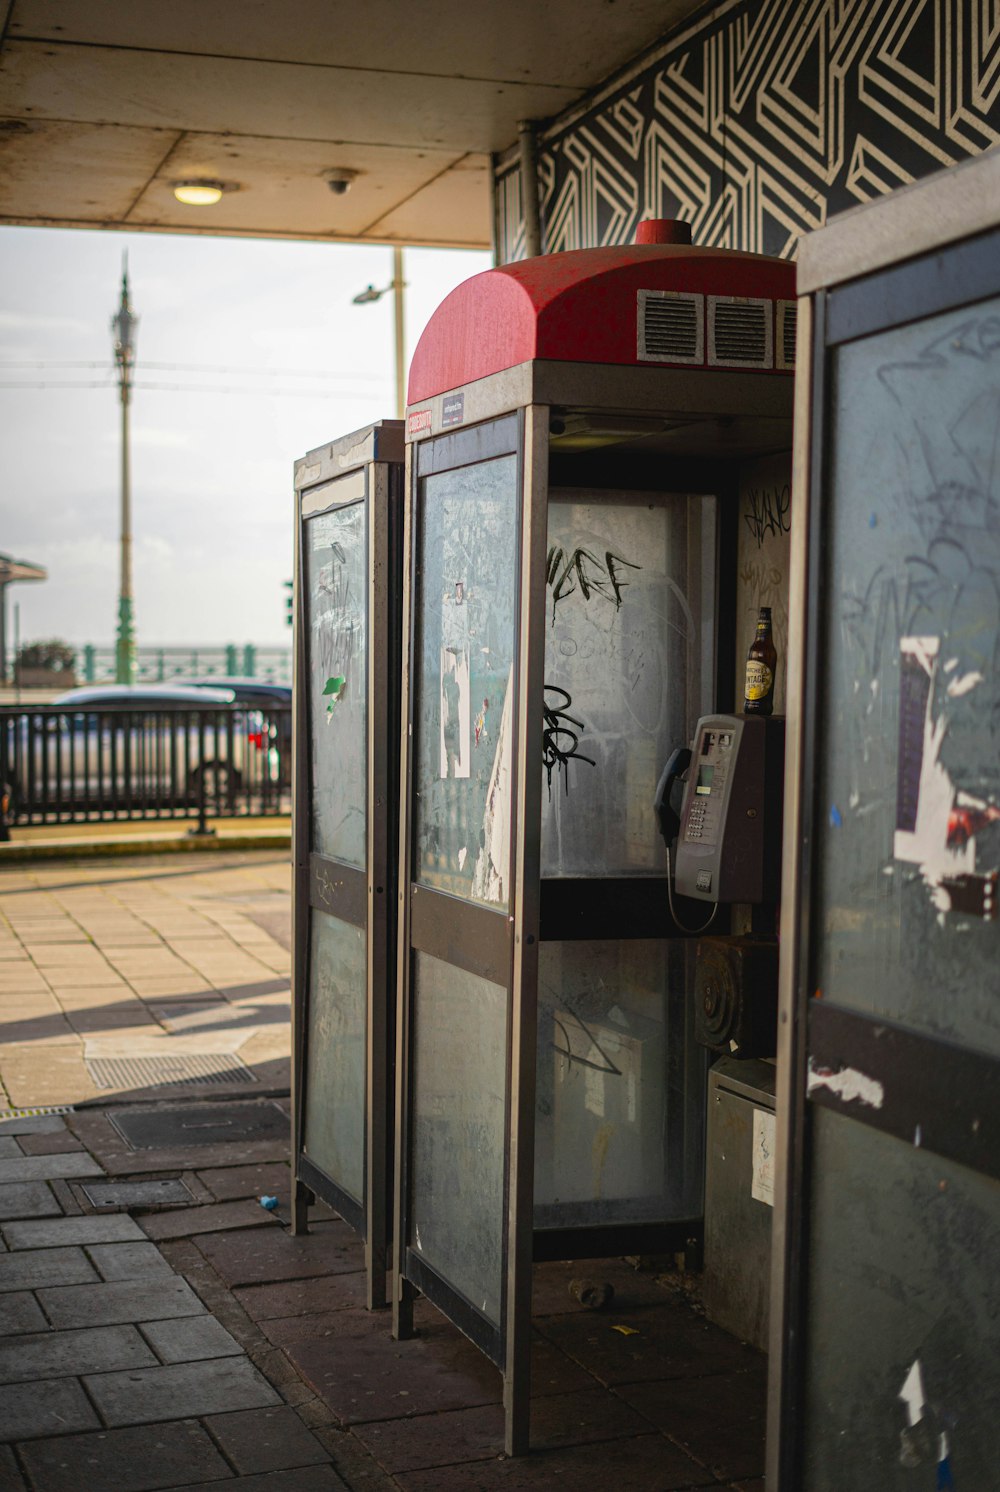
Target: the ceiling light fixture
pixel 199 193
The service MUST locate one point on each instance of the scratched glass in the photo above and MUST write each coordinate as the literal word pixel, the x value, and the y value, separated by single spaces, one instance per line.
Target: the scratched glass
pixel 903 1334
pixel 460 1044
pixel 620 1098
pixel 337 584
pixel 629 668
pixel 467 599
pixel 908 836
pixel 335 1058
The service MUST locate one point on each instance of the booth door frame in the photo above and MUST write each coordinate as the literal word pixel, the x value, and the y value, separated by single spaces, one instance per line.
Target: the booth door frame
pixel 362 897
pixel 954 1090
pixel 510 939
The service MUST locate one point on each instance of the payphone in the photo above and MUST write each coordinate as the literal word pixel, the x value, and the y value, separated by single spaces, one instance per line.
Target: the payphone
pixel 580 427
pixel 729 829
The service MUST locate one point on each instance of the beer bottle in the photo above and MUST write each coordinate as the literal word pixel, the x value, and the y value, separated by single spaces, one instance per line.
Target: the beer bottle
pixel 762 661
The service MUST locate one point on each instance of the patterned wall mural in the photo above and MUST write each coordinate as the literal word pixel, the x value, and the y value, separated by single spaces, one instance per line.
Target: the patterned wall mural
pixel 764 117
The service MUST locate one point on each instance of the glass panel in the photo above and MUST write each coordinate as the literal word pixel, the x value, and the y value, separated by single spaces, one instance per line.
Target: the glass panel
pixel 467 602
pixel 631 621
pixel 335 1057
pixel 619 1134
pixel 459 1081
pixel 336 577
pixel 909 812
pixel 904 1316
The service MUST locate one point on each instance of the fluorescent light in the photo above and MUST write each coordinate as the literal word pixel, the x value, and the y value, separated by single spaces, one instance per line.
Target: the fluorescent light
pixel 198 193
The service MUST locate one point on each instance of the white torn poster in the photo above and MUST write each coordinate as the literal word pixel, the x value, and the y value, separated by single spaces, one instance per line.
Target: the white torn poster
pixel 456 713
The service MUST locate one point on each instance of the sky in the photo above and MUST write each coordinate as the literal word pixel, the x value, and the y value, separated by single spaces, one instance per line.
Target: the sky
pixel 249 354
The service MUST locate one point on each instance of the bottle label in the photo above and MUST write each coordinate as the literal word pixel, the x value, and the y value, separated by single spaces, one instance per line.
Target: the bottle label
pixel 759 680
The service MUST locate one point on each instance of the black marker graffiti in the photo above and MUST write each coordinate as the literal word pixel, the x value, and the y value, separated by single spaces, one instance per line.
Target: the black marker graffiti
pixel 768 512
pixel 583 571
pixel 559 741
pixel 605 1065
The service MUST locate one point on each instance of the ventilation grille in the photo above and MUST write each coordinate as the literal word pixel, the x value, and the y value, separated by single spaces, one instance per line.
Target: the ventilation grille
pixel 152 1072
pixel 671 327
pixel 787 322
pixel 740 334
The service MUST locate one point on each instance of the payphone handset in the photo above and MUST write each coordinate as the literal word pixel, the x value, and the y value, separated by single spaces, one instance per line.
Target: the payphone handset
pixel 729 830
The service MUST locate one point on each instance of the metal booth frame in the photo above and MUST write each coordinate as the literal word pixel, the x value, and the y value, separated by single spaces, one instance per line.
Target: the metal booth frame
pixel 929 249
pixel 364 467
pixel 510 413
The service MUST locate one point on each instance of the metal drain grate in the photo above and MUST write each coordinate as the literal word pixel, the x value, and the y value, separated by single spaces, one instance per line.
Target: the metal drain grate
pixel 184 1068
pixel 37 1113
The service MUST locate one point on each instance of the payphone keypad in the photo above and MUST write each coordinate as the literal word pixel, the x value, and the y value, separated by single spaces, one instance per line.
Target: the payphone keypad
pixel 711 767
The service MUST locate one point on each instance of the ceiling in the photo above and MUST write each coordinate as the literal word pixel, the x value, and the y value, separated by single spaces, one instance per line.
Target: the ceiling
pixel 105 103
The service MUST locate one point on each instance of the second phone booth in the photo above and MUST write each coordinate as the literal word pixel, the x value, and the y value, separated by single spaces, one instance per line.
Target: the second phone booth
pixel 344 834
pixel 576 425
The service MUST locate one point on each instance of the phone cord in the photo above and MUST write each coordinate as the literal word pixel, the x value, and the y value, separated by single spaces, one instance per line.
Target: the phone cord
pixel 670 899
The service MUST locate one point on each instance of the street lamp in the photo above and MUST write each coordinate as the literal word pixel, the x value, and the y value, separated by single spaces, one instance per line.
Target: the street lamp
pixel 123 328
pixel 367 296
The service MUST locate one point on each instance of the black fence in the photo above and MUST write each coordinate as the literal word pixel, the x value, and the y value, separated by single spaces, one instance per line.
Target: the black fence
pixel 106 762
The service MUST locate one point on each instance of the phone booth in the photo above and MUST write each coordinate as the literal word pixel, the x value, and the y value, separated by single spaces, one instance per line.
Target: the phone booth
pixel 347 665
pixel 575 429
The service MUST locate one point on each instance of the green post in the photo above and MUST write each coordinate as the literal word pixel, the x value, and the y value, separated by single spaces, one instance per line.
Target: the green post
pixel 161 667
pixel 89 663
pixel 232 667
pixel 249 660
pixel 125 643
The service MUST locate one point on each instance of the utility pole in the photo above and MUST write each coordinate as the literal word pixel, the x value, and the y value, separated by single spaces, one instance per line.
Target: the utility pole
pixel 365 298
pixel 123 328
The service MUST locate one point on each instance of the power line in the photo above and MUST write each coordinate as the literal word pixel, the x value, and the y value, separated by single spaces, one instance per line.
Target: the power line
pixel 313 373
pixel 261 391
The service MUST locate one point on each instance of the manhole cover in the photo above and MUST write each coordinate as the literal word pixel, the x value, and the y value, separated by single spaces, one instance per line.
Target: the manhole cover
pixel 120 1194
pixel 153 1072
pixel 215 1124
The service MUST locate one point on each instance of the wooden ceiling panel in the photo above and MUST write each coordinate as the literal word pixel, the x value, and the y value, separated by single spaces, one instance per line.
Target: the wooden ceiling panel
pixel 571 43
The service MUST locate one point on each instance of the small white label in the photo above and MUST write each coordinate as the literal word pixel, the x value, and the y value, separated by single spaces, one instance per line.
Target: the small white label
pixel 762 1185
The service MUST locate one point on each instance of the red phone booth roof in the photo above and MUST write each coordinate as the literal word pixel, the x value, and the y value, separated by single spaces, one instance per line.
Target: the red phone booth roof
pixel 578 306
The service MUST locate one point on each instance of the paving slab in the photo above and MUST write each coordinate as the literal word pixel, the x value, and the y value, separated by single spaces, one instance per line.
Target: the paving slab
pixel 60 1143
pixel 361 1374
pixel 227 1183
pixel 126 1460
pixel 64 1231
pixel 33 1124
pixel 305 1479
pixel 648 1463
pixel 261 1440
pixel 20 1311
pixel 656 1343
pixel 34 1269
pixel 190 1339
pixel 129 1261
pixel 47 1167
pixel 11 1479
pixel 688 1411
pixel 65 1354
pixel 27 1199
pixel 309 1297
pixel 179 1391
pixel 9 1148
pixel 215 1218
pixel 47 1407
pixel 255 1257
pixel 108 1304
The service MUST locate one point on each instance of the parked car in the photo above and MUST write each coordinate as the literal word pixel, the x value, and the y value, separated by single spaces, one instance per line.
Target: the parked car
pixel 116 746
pixel 266 696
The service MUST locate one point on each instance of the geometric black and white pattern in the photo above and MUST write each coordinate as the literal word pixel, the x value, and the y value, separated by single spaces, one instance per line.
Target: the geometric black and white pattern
pixel 764 117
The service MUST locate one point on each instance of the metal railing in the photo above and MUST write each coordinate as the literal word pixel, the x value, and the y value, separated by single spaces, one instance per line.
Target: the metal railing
pixel 96 665
pixel 106 762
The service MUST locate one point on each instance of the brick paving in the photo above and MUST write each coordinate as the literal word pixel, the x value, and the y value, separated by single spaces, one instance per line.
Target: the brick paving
pixel 200 1345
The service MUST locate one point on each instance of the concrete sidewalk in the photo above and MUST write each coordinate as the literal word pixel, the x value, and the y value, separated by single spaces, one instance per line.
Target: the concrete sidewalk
pixel 162 1330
